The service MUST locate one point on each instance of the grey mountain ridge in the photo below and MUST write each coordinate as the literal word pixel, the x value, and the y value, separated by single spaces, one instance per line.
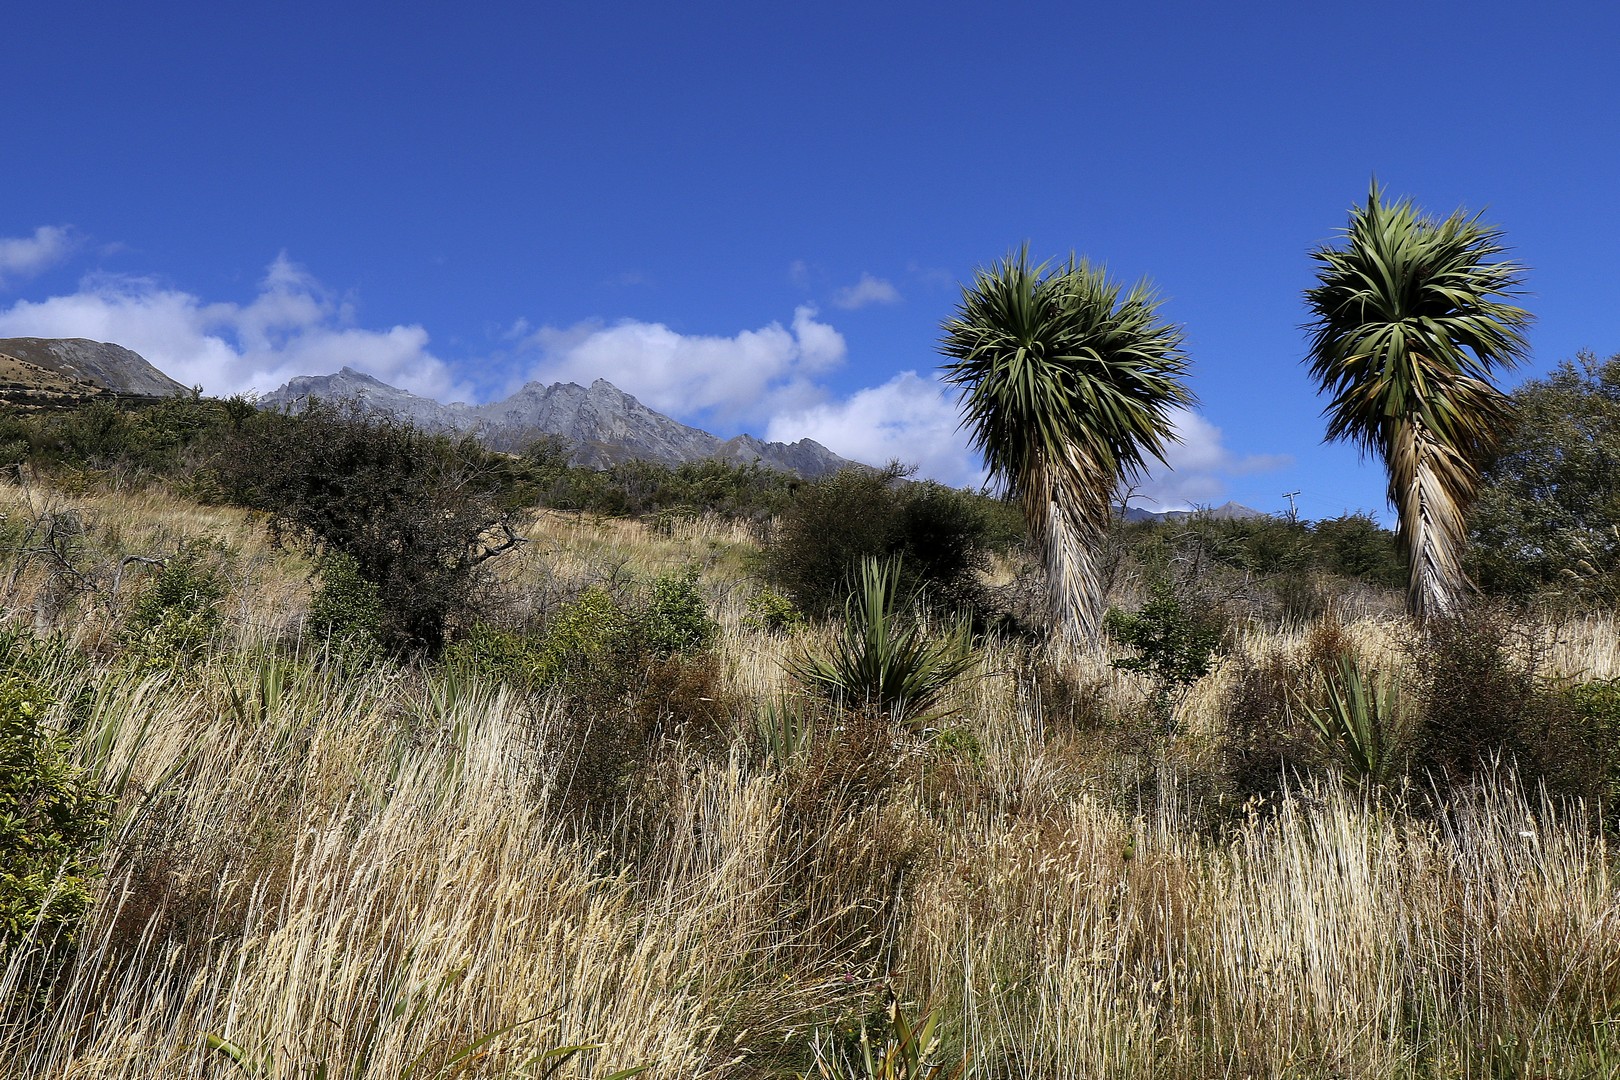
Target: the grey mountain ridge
pixel 601 424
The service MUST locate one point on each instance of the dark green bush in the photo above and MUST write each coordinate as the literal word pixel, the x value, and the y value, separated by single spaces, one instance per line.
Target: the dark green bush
pixel 51 818
pixel 941 535
pixel 418 514
pixel 1479 704
pixel 1266 745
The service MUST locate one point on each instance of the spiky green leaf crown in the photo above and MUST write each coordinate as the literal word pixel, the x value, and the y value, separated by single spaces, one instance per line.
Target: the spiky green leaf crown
pixel 1063 377
pixel 1412 316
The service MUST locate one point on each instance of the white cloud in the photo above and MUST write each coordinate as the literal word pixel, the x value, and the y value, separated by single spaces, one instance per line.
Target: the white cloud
pixel 738 379
pixel 291 327
pixel 1197 467
pixel 908 419
pixel 913 420
pixel 25 256
pixel 869 290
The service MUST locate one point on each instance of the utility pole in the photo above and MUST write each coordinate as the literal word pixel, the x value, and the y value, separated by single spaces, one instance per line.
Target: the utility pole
pixel 1293 511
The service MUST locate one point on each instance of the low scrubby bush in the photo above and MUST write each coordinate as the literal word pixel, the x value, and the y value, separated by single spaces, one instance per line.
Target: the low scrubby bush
pixel 942 536
pixel 51 817
pixel 178 611
pixel 1479 703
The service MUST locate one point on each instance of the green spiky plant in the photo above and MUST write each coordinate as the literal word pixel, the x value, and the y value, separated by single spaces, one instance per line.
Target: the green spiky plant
pixel 1410 319
pixel 907 1051
pixel 1068 386
pixel 884 659
pixel 1358 719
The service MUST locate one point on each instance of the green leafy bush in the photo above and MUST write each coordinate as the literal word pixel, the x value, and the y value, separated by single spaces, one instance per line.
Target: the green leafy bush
pixel 179 610
pixel 346 609
pixel 1172 643
pixel 675 618
pixel 770 612
pixel 51 817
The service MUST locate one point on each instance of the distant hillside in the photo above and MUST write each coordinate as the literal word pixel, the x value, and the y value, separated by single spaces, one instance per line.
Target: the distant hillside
pixel 1227 511
pixel 60 372
pixel 601 424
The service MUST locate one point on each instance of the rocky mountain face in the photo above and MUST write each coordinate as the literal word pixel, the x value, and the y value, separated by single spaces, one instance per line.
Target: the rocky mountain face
pixel 601 424
pixel 45 372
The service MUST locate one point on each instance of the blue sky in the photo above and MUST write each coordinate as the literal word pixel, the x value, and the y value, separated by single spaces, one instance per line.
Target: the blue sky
pixel 755 217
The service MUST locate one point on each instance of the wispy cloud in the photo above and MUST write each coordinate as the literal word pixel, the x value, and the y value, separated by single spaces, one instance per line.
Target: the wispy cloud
pixel 25 256
pixel 867 291
pixel 292 326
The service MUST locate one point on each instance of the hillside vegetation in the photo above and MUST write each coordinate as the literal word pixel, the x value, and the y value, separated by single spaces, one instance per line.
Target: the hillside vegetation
pixel 591 810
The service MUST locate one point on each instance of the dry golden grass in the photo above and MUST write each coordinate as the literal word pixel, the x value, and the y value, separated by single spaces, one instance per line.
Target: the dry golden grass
pixel 299 851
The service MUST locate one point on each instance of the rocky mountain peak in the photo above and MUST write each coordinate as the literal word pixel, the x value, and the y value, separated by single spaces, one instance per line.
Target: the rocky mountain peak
pixel 601 423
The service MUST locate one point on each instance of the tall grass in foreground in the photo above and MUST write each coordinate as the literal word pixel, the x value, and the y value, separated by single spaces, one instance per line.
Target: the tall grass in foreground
pixel 297 851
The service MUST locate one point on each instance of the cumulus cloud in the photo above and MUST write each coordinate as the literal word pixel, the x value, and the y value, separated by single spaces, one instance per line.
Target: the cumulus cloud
pixel 1197 467
pixel 738 379
pixel 915 421
pixel 865 292
pixel 291 327
pixel 24 256
pixel 907 419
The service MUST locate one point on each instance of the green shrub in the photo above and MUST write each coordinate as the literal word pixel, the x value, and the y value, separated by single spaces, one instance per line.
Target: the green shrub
pixel 179 610
pixel 1173 643
pixel 772 613
pixel 675 619
pixel 346 609
pixel 941 536
pixel 1596 708
pixel 51 817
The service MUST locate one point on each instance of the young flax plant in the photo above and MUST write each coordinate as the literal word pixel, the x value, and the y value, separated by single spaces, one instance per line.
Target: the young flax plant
pixel 909 1052
pixel 883 658
pixel 1358 719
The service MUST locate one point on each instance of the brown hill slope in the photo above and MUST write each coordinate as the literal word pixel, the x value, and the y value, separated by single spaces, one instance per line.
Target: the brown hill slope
pixel 57 372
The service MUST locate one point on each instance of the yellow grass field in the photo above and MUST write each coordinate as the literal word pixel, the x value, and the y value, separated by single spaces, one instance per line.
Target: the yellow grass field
pixel 363 871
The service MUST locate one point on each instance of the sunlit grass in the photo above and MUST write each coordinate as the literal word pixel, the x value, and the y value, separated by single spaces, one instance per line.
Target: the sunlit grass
pixel 297 848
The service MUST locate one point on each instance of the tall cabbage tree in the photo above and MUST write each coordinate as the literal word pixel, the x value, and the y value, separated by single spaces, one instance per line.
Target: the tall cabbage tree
pixel 1411 317
pixel 1068 383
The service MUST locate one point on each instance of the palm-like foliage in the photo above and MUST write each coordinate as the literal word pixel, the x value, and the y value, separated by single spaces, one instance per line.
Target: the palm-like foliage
pixel 1411 317
pixel 1067 385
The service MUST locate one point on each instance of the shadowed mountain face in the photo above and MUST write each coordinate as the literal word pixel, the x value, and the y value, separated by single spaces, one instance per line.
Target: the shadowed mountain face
pixel 601 424
pixel 68 371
